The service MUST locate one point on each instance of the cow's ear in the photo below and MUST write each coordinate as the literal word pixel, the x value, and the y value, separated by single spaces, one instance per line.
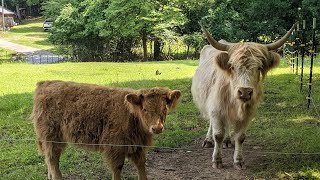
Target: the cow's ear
pixel 134 99
pixel 173 98
pixel 273 61
pixel 222 60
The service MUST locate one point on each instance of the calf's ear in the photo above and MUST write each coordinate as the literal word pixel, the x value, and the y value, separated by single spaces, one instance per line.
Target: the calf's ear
pixel 134 99
pixel 222 61
pixel 173 98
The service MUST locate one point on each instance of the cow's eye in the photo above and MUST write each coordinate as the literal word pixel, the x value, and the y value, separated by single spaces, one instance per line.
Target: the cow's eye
pixel 232 68
pixel 144 110
pixel 259 68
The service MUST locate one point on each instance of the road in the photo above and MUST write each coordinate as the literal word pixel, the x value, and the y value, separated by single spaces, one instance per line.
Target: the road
pixel 33 55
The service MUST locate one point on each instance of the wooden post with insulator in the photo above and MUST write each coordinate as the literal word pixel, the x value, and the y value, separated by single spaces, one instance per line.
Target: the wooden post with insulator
pixel 312 51
pixel 303 44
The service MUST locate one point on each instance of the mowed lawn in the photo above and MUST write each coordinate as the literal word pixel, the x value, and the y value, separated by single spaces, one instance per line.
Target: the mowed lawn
pixel 30 33
pixel 283 123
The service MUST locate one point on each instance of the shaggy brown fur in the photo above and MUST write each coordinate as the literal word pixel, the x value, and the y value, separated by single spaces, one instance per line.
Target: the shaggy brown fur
pixel 92 114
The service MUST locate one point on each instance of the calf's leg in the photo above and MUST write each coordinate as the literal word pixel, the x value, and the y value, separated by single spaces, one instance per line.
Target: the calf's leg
pixel 238 160
pixel 52 153
pixel 139 159
pixel 116 162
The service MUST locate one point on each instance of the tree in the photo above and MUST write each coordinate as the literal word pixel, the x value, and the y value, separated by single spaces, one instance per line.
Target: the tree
pixel 236 20
pixel 194 40
pixel 110 27
pixel 140 19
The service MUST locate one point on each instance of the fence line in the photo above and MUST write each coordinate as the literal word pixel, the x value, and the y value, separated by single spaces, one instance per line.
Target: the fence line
pixel 163 147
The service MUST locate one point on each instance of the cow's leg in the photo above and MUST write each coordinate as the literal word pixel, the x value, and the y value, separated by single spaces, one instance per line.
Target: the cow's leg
pixel 139 159
pixel 208 142
pixel 116 162
pixel 238 160
pixel 218 133
pixel 52 153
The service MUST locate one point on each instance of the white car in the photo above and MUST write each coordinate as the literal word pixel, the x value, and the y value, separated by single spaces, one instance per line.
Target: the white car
pixel 47 24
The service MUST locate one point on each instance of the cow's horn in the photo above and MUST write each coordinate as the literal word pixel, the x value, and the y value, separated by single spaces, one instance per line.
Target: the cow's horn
pixel 280 42
pixel 213 42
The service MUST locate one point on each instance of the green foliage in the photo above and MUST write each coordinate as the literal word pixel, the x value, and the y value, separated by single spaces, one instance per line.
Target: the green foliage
pixel 6 55
pixel 97 30
pixel 52 8
pixel 247 20
pixel 194 40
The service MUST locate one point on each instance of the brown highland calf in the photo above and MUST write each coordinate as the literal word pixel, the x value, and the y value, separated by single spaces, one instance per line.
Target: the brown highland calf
pixel 84 114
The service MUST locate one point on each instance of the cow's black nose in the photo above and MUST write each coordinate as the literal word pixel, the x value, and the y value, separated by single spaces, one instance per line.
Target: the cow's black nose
pixel 245 93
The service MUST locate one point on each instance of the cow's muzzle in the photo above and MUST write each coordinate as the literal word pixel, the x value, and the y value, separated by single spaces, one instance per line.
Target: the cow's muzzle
pixel 157 129
pixel 245 94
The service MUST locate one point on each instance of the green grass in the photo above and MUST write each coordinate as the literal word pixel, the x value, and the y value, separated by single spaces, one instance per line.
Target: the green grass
pixel 6 55
pixel 30 33
pixel 283 123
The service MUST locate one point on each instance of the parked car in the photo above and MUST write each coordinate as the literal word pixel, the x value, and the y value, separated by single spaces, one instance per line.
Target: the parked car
pixel 47 24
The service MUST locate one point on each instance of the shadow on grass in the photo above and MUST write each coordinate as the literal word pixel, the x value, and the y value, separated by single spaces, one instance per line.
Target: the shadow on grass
pixel 32 29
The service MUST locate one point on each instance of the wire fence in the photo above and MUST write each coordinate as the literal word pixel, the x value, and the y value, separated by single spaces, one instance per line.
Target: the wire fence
pixel 162 147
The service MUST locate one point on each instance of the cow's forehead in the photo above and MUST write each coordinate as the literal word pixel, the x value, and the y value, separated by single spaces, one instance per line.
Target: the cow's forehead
pixel 248 55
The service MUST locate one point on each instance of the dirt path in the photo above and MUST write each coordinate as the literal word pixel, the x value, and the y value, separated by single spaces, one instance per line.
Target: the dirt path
pixel 196 164
pixel 33 55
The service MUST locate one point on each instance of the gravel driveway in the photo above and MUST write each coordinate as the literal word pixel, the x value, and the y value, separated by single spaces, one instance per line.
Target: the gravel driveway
pixel 33 55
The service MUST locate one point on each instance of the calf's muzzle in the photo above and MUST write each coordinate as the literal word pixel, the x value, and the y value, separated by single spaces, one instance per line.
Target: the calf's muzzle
pixel 244 94
pixel 157 129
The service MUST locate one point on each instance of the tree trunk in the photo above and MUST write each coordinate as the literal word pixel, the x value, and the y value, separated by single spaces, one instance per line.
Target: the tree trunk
pixel 18 13
pixel 144 45
pixel 150 49
pixel 156 50
pixel 188 52
pixel 169 53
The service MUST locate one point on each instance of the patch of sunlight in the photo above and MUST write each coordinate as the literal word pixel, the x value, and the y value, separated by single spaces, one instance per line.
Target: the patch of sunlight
pixel 279 70
pixel 304 174
pixel 304 119
pixel 309 174
pixel 282 104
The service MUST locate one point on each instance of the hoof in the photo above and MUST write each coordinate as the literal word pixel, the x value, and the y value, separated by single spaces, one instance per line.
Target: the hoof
pixel 227 143
pixel 207 144
pixel 239 166
pixel 217 165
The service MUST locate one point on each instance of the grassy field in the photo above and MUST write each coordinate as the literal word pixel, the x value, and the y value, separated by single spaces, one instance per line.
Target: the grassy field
pixel 6 55
pixel 30 33
pixel 283 122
